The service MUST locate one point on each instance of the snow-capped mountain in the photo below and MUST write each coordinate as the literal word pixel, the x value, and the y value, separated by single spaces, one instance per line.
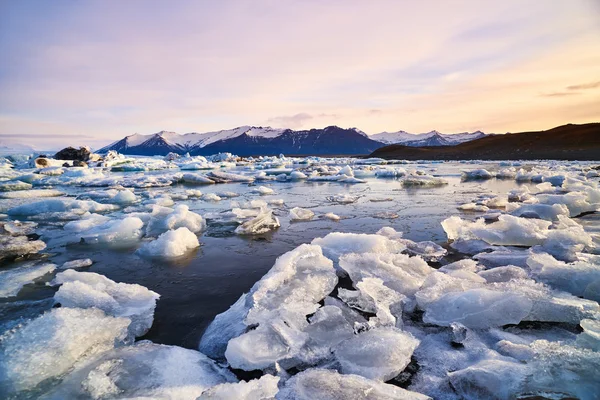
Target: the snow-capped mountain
pixel 433 138
pixel 9 147
pixel 249 140
pixel 253 140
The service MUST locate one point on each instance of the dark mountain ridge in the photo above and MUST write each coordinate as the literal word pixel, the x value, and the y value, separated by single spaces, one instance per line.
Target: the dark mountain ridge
pixel 565 142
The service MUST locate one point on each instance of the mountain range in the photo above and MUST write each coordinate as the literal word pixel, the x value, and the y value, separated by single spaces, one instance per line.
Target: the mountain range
pixel 252 140
pixel 565 142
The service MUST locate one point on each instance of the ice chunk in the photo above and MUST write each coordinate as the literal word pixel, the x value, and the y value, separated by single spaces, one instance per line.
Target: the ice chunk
pixel 462 265
pixel 297 175
pixel 86 222
pixel 438 284
pixel 78 207
pixel 262 223
pixel 288 292
pixel 337 243
pixel 503 274
pixel 263 190
pixel 478 308
pixel 509 230
pixel 329 326
pixel 477 174
pixel 88 289
pixel 590 337
pixel 423 180
pixel 378 354
pixel 549 305
pixel 326 384
pixel 7 186
pixel 115 232
pixel 51 344
pixel 180 217
pixel 489 379
pixel 143 371
pixel 541 211
pixel 77 264
pixel 427 250
pixel 473 207
pixel 568 371
pixel 15 246
pixel 173 243
pixel 576 202
pixel 198 179
pixel 574 278
pixel 301 214
pixel 496 202
pixel 279 303
pixel 332 216
pixel 504 257
pixel 342 198
pixel 122 197
pixel 29 194
pixel 220 176
pixel 18 228
pixel 567 242
pixel 12 280
pixel 399 272
pixel 264 388
pixel 210 197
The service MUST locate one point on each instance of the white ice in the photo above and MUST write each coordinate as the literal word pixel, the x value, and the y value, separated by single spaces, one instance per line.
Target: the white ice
pixel 91 290
pixel 170 244
pixel 12 280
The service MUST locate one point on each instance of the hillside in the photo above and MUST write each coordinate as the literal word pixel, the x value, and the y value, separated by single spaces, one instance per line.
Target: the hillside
pixel 566 142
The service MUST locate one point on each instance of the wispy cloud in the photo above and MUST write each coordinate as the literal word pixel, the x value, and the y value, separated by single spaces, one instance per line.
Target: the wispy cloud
pixel 559 94
pixel 291 121
pixel 585 86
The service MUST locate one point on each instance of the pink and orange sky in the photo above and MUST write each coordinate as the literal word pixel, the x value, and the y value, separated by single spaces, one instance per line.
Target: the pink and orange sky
pixel 91 72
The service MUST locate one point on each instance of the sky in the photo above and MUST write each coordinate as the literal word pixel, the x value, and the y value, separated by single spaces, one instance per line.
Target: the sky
pixel 91 72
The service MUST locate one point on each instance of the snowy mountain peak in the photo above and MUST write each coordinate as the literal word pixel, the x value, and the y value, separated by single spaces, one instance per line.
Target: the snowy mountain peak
pixel 431 138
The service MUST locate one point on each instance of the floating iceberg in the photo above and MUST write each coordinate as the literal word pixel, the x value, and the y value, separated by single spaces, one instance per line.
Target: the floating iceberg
pixel 91 290
pixel 301 214
pixel 173 243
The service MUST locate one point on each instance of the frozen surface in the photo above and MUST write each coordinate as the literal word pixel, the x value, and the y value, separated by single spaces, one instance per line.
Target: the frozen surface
pixel 378 354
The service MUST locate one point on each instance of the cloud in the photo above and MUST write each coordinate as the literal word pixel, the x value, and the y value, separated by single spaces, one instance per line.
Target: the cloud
pixel 584 86
pixel 291 121
pixel 559 94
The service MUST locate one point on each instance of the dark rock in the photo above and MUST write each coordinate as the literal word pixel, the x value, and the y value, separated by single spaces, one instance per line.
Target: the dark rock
pixel 41 162
pixel 66 165
pixel 78 163
pixel 71 153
